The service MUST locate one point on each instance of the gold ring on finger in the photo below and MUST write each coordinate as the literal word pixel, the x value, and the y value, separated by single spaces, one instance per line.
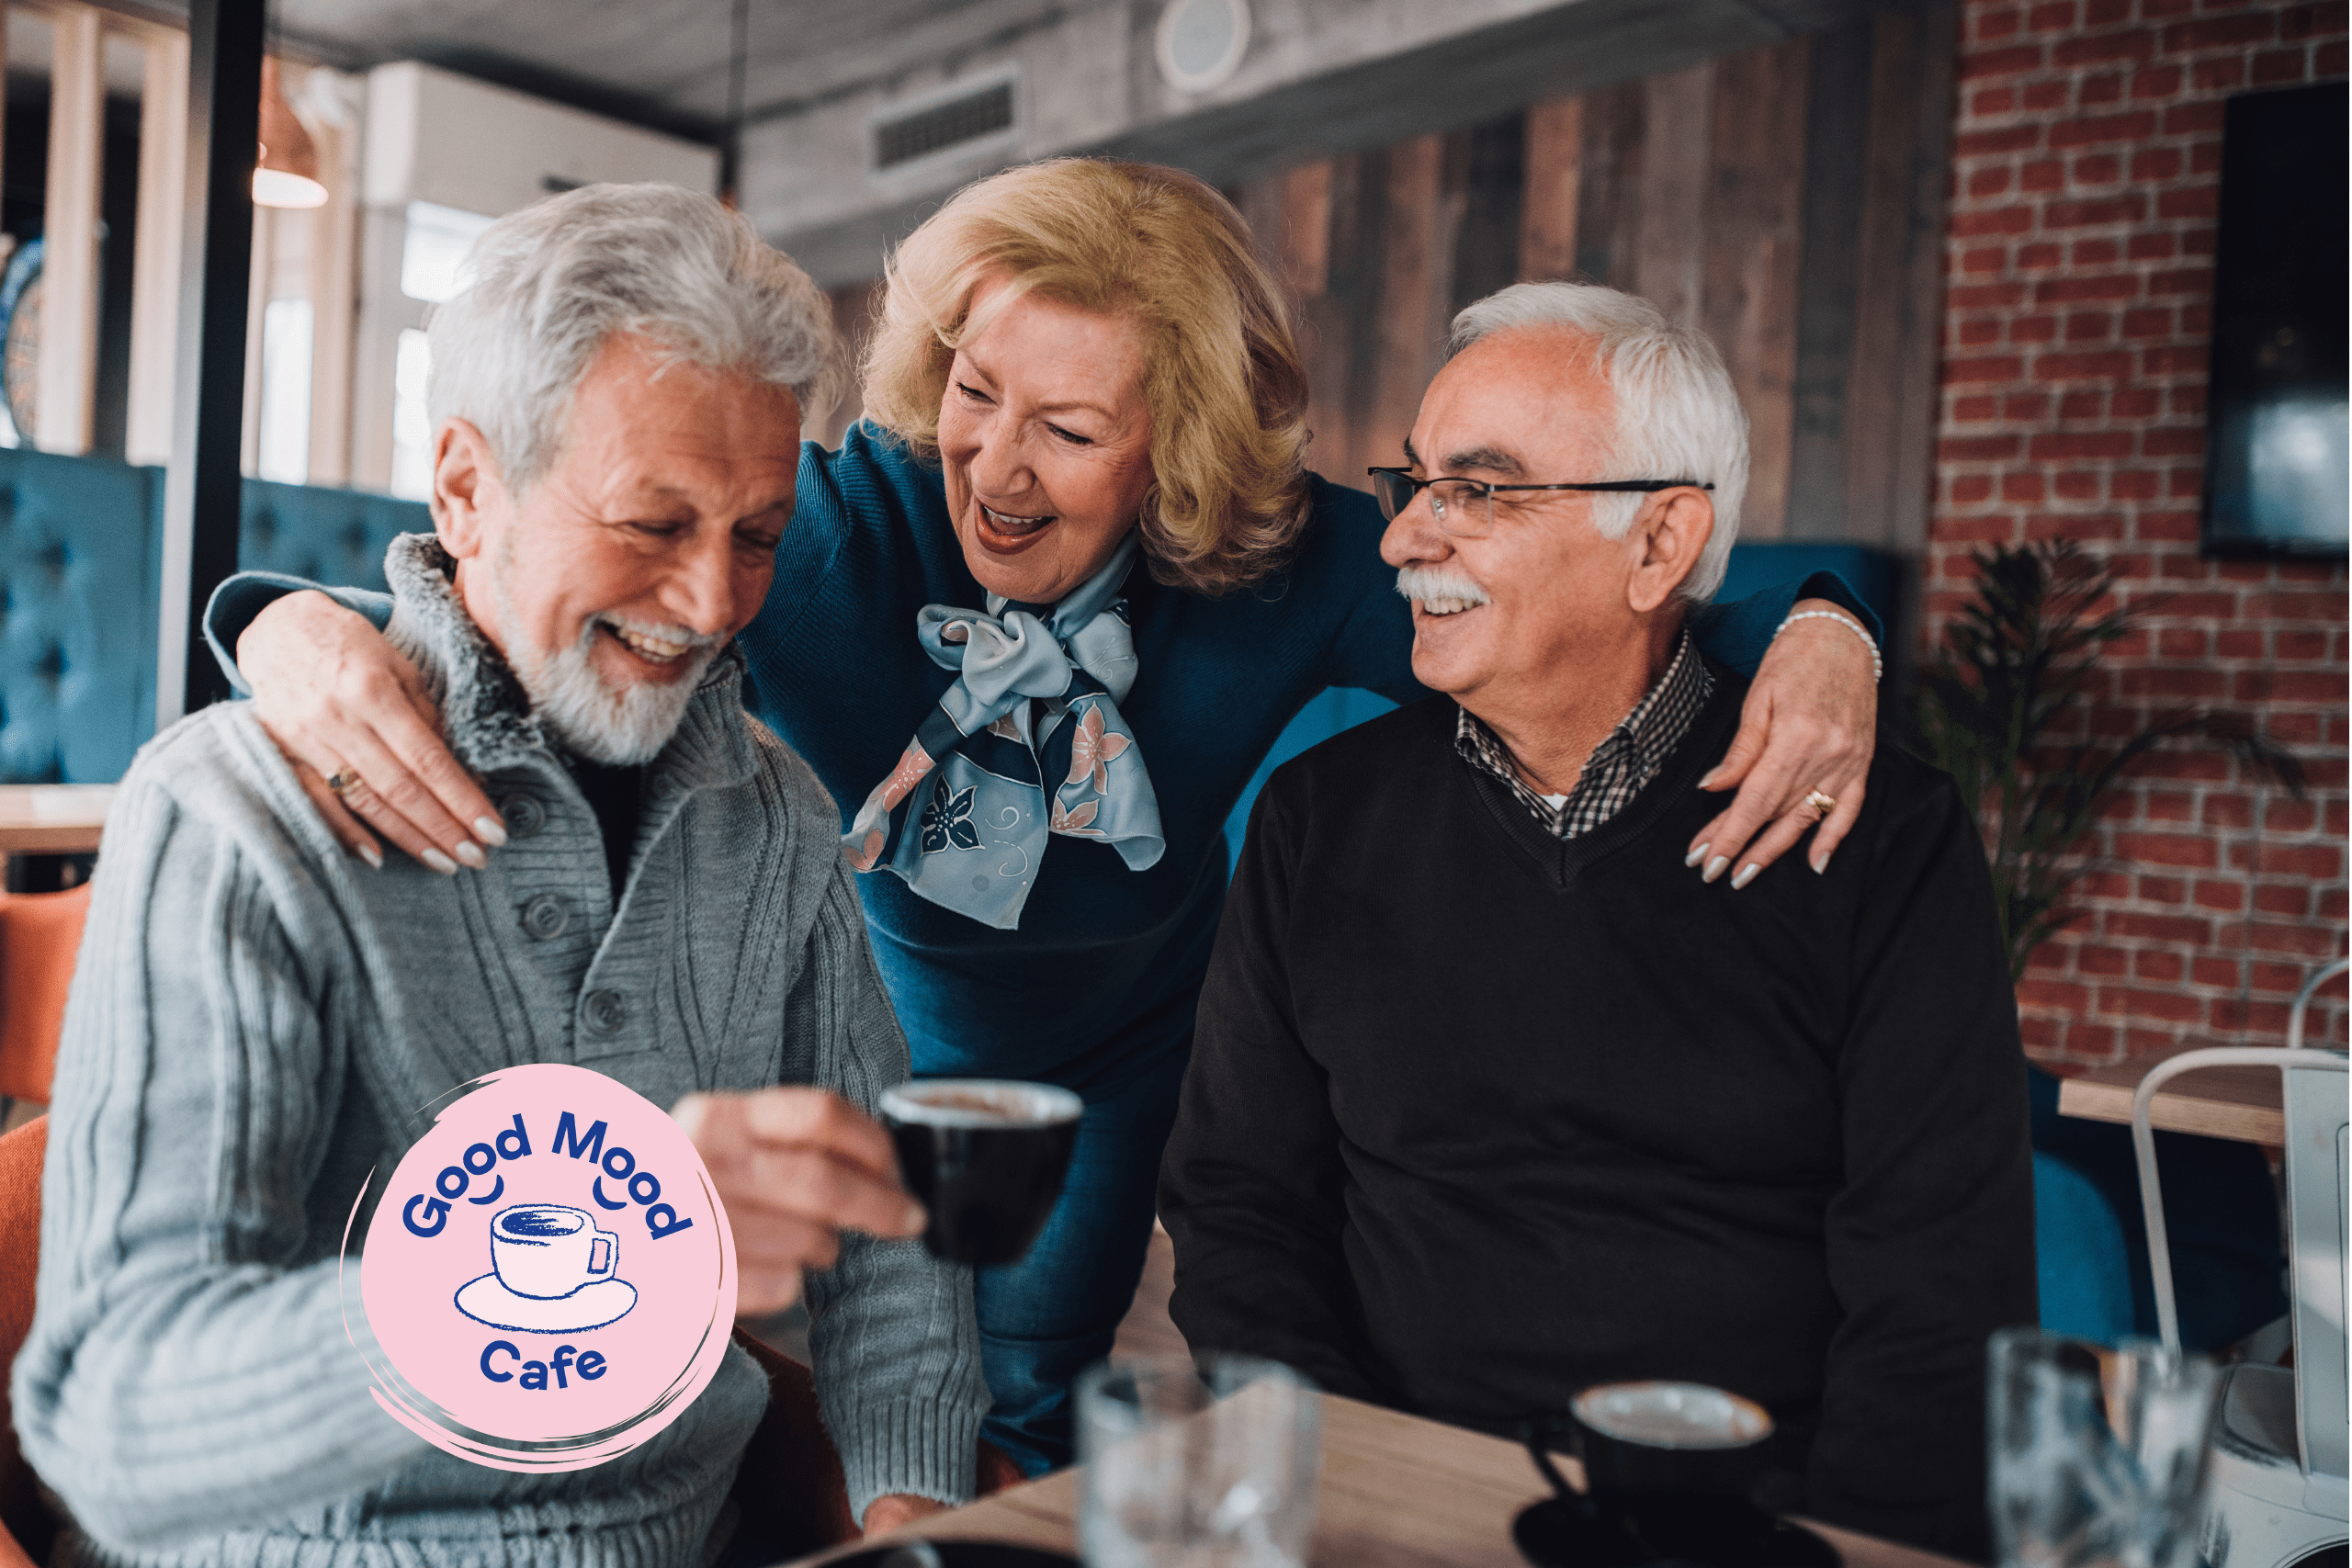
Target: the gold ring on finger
pixel 1822 805
pixel 343 781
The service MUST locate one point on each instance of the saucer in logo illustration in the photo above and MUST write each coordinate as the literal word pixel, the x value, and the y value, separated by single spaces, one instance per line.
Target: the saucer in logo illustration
pixel 552 1271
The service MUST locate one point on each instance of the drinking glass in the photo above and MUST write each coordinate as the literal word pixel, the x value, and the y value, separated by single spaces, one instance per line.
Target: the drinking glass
pixel 1211 1466
pixel 2097 1455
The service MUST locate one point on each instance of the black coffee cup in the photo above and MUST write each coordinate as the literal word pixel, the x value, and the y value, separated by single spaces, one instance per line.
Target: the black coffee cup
pixel 1667 1468
pixel 1668 1437
pixel 986 1157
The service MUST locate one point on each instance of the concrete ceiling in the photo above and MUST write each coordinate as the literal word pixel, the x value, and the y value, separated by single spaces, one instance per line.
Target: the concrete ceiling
pixel 659 63
pixel 1319 76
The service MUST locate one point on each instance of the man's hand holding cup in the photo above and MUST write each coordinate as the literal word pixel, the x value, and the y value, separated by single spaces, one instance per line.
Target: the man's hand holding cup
pixel 795 1167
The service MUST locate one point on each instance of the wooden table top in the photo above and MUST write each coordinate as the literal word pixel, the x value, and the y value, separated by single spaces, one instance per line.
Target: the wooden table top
pixel 1397 1492
pixel 52 820
pixel 2241 1103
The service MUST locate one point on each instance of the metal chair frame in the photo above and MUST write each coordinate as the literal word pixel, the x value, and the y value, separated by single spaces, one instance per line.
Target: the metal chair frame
pixel 2316 1132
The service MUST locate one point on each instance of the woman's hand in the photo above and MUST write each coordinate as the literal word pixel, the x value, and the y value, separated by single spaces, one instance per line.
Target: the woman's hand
pixel 337 698
pixel 1809 722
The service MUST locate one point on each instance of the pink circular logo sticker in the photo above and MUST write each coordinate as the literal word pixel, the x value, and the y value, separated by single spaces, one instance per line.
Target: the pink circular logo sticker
pixel 549 1278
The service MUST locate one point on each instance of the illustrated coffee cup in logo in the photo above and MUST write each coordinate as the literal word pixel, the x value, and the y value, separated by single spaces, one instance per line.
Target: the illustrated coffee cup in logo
pixel 547 1250
pixel 986 1157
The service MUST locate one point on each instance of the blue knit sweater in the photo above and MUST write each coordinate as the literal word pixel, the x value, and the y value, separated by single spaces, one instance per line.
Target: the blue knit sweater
pixel 1100 980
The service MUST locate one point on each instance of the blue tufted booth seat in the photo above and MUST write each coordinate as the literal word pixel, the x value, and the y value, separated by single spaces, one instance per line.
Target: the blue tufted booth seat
pixel 81 566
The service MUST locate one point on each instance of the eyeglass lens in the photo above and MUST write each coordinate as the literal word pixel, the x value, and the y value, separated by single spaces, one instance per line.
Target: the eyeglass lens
pixel 1464 508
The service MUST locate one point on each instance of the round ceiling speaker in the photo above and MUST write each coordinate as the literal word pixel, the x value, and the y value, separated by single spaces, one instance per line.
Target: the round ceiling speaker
pixel 1202 42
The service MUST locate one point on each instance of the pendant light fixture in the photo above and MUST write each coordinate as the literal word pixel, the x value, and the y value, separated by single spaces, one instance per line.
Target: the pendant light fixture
pixel 288 174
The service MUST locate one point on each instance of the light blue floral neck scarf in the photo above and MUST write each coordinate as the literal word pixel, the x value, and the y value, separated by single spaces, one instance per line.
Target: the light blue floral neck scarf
pixel 1028 742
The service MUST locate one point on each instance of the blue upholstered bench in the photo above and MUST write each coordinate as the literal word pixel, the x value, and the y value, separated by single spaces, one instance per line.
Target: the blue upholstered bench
pixel 81 560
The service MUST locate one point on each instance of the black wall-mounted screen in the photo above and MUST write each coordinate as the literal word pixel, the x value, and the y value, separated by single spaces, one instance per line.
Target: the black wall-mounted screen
pixel 2277 465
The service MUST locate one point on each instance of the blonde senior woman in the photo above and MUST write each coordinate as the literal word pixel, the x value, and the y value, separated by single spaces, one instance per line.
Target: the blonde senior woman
pixel 1035 625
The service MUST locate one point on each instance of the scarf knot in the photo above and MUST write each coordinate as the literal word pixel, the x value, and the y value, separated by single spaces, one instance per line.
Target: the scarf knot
pixel 1027 743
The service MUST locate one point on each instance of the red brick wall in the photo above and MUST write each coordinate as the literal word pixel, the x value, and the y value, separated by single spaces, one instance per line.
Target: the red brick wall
pixel 2087 160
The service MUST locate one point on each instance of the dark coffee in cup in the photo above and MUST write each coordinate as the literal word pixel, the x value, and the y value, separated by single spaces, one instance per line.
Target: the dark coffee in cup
pixel 986 1157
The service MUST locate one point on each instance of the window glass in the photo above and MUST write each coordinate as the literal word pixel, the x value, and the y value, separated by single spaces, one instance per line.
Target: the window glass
pixel 286 392
pixel 411 431
pixel 437 241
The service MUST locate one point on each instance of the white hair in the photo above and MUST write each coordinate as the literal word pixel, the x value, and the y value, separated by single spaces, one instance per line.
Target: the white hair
pixel 544 288
pixel 1678 417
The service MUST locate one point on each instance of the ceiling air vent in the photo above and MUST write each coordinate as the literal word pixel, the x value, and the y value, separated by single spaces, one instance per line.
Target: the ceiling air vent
pixel 960 120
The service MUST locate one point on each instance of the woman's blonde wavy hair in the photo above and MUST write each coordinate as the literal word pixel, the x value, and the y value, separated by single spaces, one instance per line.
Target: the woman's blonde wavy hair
pixel 1158 246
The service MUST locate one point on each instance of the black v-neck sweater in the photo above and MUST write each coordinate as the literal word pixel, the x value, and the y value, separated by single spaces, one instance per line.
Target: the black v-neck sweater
pixel 1478 1117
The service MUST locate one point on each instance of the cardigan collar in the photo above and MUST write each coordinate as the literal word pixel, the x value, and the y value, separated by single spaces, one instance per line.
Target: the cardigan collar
pixel 485 713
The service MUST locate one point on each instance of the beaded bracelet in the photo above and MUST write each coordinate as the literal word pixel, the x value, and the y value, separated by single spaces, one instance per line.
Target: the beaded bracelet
pixel 1878 665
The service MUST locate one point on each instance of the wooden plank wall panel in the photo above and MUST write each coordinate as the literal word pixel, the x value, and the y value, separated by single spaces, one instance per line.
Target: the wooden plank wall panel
pixel 1492 156
pixel 1419 218
pixel 854 307
pixel 1873 393
pixel 1836 134
pixel 1555 160
pixel 1302 258
pixel 1891 417
pixel 1786 200
pixel 1358 201
pixel 1310 196
pixel 1609 198
pixel 1669 256
pixel 1752 236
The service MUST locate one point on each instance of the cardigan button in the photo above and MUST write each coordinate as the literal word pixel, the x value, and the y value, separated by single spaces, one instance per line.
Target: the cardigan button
pixel 546 916
pixel 523 814
pixel 604 1012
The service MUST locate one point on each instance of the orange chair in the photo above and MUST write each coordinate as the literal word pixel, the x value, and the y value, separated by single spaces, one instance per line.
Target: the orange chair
pixel 39 936
pixel 790 1487
pixel 25 1526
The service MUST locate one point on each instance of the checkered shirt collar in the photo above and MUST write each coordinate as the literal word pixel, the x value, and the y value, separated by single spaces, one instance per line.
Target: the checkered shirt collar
pixel 1629 758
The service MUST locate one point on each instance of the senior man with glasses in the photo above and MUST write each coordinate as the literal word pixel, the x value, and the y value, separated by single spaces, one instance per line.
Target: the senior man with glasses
pixel 257 1019
pixel 1490 1102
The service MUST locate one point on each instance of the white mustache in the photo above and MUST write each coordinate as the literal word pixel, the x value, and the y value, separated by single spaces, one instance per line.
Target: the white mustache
pixel 1426 583
pixel 654 631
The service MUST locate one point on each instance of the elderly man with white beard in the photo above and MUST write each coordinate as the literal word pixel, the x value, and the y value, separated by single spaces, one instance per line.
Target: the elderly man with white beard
pixel 617 396
pixel 1490 1102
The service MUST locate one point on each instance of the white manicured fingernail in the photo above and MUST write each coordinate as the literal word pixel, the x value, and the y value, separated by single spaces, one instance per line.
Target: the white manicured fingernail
pixel 440 863
pixel 1695 856
pixel 372 855
pixel 1716 868
pixel 470 852
pixel 1820 864
pixel 490 831
pixel 1747 874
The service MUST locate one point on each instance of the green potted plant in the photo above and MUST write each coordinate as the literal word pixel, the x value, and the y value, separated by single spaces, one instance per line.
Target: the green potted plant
pixel 2017 665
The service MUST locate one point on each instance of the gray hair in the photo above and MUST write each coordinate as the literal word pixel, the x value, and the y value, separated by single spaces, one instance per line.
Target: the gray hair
pixel 544 288
pixel 1678 417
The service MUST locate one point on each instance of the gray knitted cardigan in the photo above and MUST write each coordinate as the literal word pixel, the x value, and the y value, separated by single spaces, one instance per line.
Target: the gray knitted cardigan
pixel 255 1014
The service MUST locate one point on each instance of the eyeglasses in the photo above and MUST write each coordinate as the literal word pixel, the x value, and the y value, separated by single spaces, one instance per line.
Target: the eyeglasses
pixel 1465 508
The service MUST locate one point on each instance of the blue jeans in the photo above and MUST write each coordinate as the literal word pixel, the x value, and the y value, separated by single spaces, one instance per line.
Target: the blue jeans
pixel 1046 1318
